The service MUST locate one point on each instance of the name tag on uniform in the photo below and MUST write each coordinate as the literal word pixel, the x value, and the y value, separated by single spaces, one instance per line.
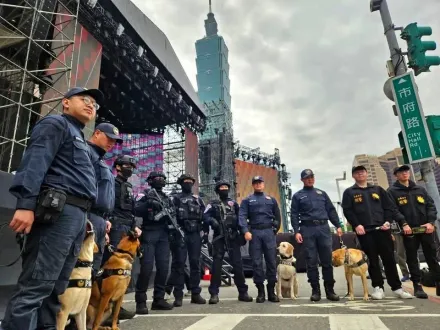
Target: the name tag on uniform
pixel 302 197
pixel 79 139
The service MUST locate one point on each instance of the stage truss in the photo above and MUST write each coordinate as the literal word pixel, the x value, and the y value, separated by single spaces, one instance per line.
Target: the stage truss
pixel 33 34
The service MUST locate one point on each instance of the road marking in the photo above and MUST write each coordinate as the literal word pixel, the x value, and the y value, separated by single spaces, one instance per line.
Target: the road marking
pixel 358 322
pixel 211 322
pixel 371 306
pixel 286 315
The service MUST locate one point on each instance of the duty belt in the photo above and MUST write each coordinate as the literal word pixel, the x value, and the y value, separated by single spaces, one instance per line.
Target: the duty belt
pixel 82 203
pixel 262 226
pixel 98 212
pixel 122 221
pixel 307 223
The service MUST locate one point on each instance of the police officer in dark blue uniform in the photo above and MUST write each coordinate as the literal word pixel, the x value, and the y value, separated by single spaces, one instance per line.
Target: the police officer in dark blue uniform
pixel 314 208
pixel 189 208
pixel 264 217
pixel 155 208
pixel 102 140
pixel 55 186
pixel 225 210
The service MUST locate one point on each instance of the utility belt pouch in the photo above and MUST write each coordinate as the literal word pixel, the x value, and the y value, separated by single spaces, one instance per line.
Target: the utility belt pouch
pixel 50 206
pixel 191 226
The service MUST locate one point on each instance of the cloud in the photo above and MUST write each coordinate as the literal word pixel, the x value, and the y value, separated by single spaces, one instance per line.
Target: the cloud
pixel 309 74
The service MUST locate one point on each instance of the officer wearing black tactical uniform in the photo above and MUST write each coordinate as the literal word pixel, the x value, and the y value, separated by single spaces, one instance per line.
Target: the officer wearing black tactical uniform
pixel 369 210
pixel 103 139
pixel 264 217
pixel 189 208
pixel 122 218
pixel 314 208
pixel 418 210
pixel 55 186
pixel 155 208
pixel 222 216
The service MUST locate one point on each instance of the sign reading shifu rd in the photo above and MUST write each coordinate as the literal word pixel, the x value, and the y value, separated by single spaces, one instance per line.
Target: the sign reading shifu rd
pixel 412 120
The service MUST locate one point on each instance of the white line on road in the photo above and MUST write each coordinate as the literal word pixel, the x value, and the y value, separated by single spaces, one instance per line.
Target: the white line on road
pixel 358 322
pixel 288 315
pixel 211 322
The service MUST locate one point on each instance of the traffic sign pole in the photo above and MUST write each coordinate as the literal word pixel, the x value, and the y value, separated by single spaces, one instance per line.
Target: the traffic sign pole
pixel 427 170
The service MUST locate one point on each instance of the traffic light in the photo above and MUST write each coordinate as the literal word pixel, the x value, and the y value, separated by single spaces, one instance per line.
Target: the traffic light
pixel 418 61
pixel 403 147
pixel 433 123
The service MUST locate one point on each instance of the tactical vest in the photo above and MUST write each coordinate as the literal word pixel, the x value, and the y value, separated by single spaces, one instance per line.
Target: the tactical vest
pixel 189 212
pixel 152 212
pixel 125 199
pixel 230 217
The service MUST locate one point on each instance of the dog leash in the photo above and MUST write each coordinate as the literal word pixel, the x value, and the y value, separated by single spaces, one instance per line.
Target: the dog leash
pixel 341 242
pixel 21 240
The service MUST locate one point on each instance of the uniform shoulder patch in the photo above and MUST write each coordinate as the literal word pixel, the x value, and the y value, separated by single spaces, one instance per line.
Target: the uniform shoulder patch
pixel 268 197
pixel 231 203
pixel 318 191
pixel 196 196
pixel 207 208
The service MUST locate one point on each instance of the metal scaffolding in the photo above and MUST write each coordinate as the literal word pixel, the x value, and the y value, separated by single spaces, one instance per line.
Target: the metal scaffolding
pixel 173 155
pixel 36 50
pixel 216 150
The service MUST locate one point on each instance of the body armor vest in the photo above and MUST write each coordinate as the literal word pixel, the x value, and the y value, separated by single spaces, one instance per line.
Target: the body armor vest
pixel 125 199
pixel 155 212
pixel 228 216
pixel 189 212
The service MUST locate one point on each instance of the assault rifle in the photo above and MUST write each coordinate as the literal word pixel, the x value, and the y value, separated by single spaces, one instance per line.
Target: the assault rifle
pixel 223 227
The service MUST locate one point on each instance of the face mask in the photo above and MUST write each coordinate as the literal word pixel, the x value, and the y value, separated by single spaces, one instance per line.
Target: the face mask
pixel 223 194
pixel 187 187
pixel 126 172
pixel 158 183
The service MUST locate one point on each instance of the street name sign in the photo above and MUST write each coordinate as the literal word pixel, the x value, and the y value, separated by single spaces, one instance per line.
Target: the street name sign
pixel 412 120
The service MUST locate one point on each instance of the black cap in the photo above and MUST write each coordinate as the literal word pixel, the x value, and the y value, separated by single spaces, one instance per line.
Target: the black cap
pixel 110 130
pixel 307 173
pixel 257 178
pixel 358 168
pixel 95 93
pixel 402 169
pixel 221 183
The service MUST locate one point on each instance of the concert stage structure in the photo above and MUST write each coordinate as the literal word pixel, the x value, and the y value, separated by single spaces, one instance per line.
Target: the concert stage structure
pixel 250 162
pixel 48 46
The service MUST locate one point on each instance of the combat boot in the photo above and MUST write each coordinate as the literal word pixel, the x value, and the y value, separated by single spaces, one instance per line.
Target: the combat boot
pixel 125 314
pixel 141 308
pixel 437 288
pixel 245 297
pixel 161 305
pixel 214 299
pixel 418 291
pixel 178 302
pixel 330 292
pixel 197 299
pixel 271 295
pixel 316 293
pixel 261 298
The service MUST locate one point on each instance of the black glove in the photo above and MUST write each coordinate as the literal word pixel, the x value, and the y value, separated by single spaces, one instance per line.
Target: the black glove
pixel 214 224
pixel 205 239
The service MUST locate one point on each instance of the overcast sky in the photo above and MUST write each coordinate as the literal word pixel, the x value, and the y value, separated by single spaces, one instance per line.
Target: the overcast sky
pixel 306 76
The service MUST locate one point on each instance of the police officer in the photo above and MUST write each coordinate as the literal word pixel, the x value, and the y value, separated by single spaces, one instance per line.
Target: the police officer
pixel 55 186
pixel 314 208
pixel 264 217
pixel 122 218
pixel 103 139
pixel 190 210
pixel 418 210
pixel 369 210
pixel 225 210
pixel 154 208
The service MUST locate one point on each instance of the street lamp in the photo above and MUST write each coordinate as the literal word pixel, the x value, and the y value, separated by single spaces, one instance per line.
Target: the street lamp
pixel 344 177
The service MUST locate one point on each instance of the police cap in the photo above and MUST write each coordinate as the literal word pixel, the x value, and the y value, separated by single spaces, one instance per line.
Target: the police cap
pixel 402 168
pixel 95 93
pixel 358 168
pixel 257 178
pixel 221 183
pixel 124 160
pixel 307 173
pixel 184 177
pixel 110 130
pixel 156 174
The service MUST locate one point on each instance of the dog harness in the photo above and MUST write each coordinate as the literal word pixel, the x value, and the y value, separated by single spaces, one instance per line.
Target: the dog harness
pixel 357 264
pixel 105 273
pixel 81 283
pixel 286 261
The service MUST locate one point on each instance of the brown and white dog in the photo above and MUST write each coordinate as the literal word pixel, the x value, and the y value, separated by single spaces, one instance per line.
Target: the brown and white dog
pixel 287 286
pixel 75 299
pixel 355 263
pixel 111 283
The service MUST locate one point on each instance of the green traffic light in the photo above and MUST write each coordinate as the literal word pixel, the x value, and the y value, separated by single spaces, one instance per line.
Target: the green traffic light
pixel 424 30
pixel 432 60
pixel 429 45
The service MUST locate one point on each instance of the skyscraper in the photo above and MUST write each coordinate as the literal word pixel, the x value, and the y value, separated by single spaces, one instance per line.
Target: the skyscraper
pixel 216 142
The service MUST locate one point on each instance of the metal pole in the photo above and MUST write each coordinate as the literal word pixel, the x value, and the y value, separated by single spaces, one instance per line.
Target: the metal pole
pixel 400 68
pixel 339 199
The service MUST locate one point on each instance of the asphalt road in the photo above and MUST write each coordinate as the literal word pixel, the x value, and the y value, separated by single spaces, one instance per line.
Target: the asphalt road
pixel 390 313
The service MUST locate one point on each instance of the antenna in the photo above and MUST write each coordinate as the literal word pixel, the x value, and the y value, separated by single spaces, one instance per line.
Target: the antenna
pixel 210 7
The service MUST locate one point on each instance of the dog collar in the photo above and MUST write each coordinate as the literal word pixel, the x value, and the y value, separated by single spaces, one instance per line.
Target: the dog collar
pixel 126 252
pixel 86 284
pixel 104 273
pixel 356 264
pixel 83 264
pixel 286 261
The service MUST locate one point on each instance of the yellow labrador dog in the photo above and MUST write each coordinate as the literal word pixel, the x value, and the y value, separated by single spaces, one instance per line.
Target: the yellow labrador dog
pixel 287 286
pixel 355 263
pixel 75 299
